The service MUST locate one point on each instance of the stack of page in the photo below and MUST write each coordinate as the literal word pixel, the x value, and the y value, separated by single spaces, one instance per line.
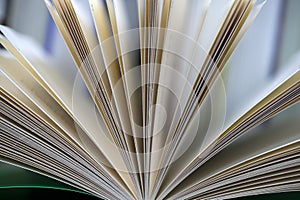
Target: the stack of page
pixel 141 113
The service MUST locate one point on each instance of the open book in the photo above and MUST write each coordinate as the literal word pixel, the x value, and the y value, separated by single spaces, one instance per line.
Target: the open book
pixel 141 110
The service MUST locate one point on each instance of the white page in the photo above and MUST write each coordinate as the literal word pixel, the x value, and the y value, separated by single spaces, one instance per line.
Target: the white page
pixel 213 22
pixel 264 190
pixel 110 57
pixel 277 132
pixel 176 58
pixel 96 52
pixel 60 84
pixel 86 22
pixel 283 181
pixel 63 84
pixel 218 90
pixel 175 62
pixel 280 85
pixel 255 59
pixel 214 19
pixel 182 58
pixel 40 155
pixel 30 97
pixel 89 31
pixel 217 96
pixel 207 122
pixel 111 69
pixel 125 23
pixel 64 33
pixel 36 94
pixel 52 76
pixel 107 45
pixel 49 107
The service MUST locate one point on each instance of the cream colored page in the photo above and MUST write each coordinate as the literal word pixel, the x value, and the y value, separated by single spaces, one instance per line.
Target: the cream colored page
pixel 110 57
pixel 90 118
pixel 106 41
pixel 218 91
pixel 38 155
pixel 84 14
pixel 285 177
pixel 61 86
pixel 216 122
pixel 85 19
pixel 46 103
pixel 177 64
pixel 30 96
pixel 57 80
pixel 61 81
pixel 95 52
pixel 127 24
pixel 124 21
pixel 278 132
pixel 216 103
pixel 63 32
pixel 208 120
pixel 10 89
pixel 278 87
pixel 37 94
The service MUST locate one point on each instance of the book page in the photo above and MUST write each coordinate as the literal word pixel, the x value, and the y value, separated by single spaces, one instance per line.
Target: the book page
pixel 43 104
pixel 175 64
pixel 35 93
pixel 125 23
pixel 276 88
pixel 25 95
pixel 193 62
pixel 62 85
pixel 57 80
pixel 267 137
pixel 109 78
pixel 127 32
pixel 216 101
pixel 146 99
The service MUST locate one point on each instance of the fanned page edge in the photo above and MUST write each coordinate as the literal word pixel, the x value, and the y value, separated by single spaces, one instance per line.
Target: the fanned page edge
pixel 148 182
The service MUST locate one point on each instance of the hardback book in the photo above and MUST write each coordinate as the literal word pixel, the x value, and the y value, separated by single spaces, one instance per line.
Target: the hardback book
pixel 139 106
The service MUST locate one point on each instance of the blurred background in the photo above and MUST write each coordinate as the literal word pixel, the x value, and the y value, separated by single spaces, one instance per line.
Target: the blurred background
pixel 270 45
